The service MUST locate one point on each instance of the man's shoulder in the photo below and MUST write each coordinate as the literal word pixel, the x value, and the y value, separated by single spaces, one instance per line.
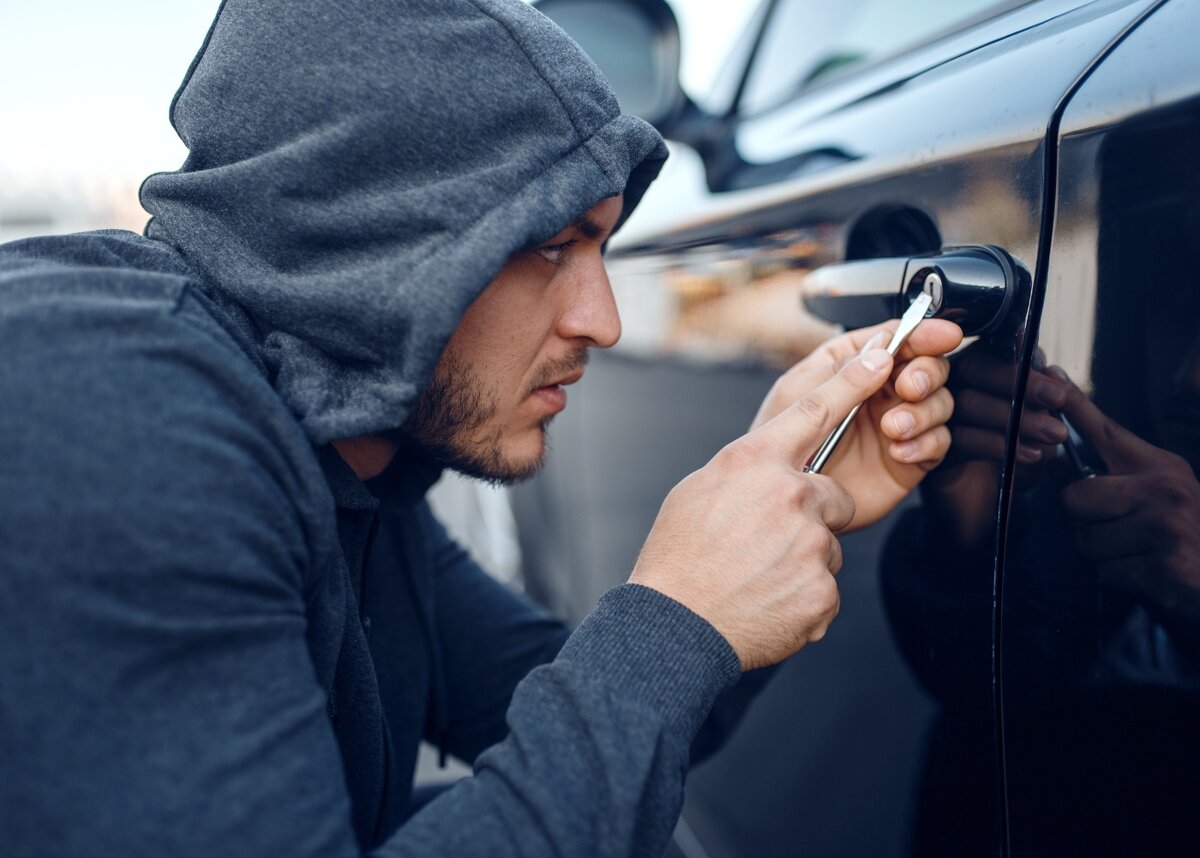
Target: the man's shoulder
pixel 130 407
pixel 109 329
pixel 109 289
pixel 56 267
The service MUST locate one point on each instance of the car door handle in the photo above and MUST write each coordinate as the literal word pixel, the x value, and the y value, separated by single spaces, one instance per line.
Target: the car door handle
pixel 971 285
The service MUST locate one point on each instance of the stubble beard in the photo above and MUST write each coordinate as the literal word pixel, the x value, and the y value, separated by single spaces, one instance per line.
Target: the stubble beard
pixel 455 408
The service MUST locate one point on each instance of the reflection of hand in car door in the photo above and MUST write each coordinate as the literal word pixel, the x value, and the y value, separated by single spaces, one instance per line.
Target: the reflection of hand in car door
pixel 962 492
pixel 1140 523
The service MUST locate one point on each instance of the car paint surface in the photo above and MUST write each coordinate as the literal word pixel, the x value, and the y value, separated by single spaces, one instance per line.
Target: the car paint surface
pixel 1100 647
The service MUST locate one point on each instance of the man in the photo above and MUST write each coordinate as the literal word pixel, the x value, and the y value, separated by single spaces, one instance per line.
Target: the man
pixel 226 614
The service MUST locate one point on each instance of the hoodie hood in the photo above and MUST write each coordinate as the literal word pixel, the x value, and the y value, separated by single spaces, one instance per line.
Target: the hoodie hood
pixel 359 171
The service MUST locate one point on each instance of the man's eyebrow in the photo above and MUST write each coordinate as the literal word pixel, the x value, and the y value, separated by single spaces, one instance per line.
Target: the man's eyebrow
pixel 589 227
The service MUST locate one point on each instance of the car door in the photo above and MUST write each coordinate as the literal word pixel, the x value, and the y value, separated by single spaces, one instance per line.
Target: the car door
pixel 1100 632
pixel 884 739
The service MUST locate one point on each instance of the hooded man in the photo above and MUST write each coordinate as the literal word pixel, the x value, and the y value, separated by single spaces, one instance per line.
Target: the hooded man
pixel 227 615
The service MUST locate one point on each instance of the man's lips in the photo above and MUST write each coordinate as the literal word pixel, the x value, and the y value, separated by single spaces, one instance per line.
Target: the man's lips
pixel 552 395
pixel 565 380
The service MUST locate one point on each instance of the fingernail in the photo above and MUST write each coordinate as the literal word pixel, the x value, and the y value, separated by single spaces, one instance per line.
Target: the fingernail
pixel 875 342
pixel 906 451
pixel 903 422
pixel 921 381
pixel 1049 393
pixel 1028 455
pixel 876 359
pixel 1051 430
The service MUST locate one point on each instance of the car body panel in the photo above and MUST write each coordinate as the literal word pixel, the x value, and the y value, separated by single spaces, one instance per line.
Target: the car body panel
pixel 1100 646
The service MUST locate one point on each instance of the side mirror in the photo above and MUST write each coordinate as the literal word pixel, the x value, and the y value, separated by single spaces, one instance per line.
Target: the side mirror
pixel 636 44
pixel 971 285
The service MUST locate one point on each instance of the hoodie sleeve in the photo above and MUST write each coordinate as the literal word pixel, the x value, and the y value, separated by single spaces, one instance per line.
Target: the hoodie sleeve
pixel 597 753
pixel 490 638
pixel 157 692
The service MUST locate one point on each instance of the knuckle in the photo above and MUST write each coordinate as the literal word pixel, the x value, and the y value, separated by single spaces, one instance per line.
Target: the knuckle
pixel 1174 492
pixel 942 441
pixel 739 455
pixel 945 403
pixel 842 499
pixel 838 558
pixel 803 490
pixel 827 599
pixel 822 542
pixel 815 409
pixel 968 400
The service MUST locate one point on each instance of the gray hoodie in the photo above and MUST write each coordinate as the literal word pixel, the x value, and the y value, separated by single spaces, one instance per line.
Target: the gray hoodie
pixel 185 664
pixel 358 171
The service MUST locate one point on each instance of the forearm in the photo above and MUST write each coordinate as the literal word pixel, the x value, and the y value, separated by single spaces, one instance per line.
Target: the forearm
pixel 598 747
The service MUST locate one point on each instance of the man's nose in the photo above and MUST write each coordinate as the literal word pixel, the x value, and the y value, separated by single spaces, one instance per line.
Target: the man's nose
pixel 591 309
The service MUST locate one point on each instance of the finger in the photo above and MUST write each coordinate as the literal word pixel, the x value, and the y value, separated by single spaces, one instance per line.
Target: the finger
pixel 909 421
pixel 834 503
pixel 973 407
pixel 799 429
pixel 1100 498
pixel 1041 427
pixel 933 337
pixel 836 558
pixel 1121 450
pixel 979 371
pixel 1045 390
pixel 1038 428
pixel 856 341
pixel 880 337
pixel 971 442
pixel 846 347
pixel 926 450
pixel 921 377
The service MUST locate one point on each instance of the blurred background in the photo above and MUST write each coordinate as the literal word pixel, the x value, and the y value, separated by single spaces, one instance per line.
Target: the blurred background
pixel 87 87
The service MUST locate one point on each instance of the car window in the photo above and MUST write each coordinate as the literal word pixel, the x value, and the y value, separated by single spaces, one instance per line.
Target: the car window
pixel 808 42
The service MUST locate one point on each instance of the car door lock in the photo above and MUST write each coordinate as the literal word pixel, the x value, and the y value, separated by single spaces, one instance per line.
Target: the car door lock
pixel 971 285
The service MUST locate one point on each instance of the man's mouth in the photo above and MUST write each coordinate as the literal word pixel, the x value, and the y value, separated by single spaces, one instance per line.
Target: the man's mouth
pixel 565 380
pixel 552 395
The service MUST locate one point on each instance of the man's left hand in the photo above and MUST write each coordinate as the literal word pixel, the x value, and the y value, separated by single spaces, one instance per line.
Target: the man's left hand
pixel 900 434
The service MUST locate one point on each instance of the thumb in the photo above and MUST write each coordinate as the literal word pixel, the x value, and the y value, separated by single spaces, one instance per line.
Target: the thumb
pixel 800 428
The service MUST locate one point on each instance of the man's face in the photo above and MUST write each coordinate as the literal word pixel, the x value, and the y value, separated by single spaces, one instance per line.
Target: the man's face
pixel 500 380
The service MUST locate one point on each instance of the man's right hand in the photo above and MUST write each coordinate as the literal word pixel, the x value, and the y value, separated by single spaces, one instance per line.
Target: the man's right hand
pixel 747 541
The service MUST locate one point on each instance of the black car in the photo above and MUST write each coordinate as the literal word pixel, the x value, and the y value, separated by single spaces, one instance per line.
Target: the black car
pixel 1016 667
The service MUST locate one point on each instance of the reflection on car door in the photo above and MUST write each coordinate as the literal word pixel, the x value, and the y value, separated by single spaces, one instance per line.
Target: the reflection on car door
pixel 1101 596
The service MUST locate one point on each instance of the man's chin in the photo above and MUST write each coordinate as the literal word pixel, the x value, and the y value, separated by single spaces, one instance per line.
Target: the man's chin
pixel 511 468
pixel 490 461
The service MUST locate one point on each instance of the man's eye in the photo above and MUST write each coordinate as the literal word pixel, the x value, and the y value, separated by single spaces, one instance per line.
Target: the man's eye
pixel 553 253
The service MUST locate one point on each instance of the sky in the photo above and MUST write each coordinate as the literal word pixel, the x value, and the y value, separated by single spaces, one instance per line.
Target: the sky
pixel 87 84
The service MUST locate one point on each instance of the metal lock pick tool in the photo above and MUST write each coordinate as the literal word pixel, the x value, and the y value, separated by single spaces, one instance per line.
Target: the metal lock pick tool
pixel 908 323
